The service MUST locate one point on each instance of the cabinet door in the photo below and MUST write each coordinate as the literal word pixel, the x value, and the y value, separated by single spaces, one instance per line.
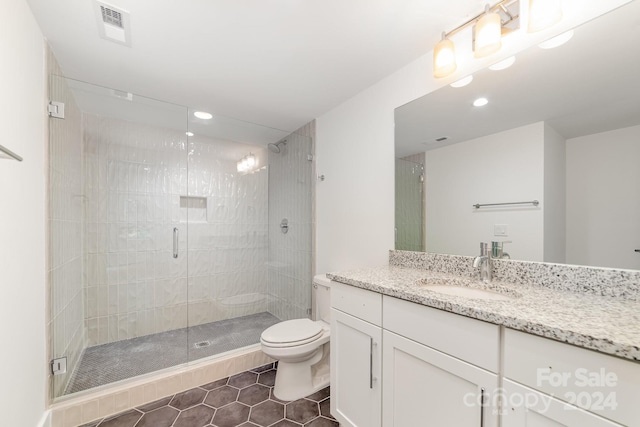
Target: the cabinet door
pixel 424 387
pixel 355 371
pixel 525 407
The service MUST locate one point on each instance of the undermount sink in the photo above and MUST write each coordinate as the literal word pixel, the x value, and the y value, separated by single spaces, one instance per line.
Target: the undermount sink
pixel 468 289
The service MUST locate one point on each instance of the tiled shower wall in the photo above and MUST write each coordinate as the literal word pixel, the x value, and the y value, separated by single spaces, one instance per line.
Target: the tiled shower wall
pixel 137 192
pixel 227 232
pixel 66 229
pixel 291 197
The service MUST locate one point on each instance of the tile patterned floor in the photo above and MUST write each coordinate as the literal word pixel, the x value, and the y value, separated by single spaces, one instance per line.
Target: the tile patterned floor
pixel 243 400
pixel 107 363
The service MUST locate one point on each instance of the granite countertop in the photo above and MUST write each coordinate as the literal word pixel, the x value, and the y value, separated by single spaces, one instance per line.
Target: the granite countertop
pixel 606 324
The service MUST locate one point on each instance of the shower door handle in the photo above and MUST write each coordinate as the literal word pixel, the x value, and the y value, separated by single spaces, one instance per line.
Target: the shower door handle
pixel 175 242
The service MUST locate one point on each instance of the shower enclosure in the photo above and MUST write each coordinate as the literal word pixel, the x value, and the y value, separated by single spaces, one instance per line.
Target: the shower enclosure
pixel 165 239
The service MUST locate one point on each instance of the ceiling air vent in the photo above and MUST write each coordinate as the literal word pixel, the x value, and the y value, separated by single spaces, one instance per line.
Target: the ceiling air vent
pixel 113 23
pixel 111 16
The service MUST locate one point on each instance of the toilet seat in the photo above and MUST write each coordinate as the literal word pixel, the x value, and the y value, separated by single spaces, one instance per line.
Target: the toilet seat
pixel 292 333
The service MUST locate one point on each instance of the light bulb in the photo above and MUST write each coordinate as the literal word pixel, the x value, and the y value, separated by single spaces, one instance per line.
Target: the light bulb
pixel 203 115
pixel 480 102
pixel 488 34
pixel 444 58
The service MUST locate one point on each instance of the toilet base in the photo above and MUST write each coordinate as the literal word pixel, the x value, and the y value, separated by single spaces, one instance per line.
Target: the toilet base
pixel 300 379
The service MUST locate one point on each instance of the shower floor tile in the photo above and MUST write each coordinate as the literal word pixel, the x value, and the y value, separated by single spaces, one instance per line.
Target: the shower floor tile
pixel 107 363
pixel 251 404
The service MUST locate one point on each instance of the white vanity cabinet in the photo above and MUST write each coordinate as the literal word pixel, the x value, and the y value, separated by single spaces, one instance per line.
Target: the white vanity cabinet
pixel 526 407
pixel 594 388
pixel 396 363
pixel 435 368
pixel 418 366
pixel 356 335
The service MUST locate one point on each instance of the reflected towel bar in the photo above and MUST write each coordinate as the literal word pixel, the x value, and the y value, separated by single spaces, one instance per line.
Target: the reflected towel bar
pixel 533 202
pixel 10 153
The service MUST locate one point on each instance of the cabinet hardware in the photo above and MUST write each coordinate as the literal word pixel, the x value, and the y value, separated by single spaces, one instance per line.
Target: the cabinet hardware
pixel 371 363
pixel 482 407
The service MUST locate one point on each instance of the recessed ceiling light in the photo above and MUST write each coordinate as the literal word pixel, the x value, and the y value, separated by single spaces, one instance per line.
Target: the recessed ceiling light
pixel 505 63
pixel 463 81
pixel 189 133
pixel 557 40
pixel 203 115
pixel 480 102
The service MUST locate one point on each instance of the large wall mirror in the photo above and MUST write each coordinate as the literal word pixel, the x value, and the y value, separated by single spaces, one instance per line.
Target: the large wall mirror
pixel 560 133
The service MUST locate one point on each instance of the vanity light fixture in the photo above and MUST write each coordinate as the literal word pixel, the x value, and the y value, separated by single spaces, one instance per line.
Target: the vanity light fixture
pixel 557 40
pixel 247 163
pixel 444 57
pixel 504 64
pixel 490 26
pixel 480 102
pixel 462 82
pixel 487 34
pixel 543 14
pixel 203 115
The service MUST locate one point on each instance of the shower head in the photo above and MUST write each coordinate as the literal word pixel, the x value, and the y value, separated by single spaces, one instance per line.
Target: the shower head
pixel 276 147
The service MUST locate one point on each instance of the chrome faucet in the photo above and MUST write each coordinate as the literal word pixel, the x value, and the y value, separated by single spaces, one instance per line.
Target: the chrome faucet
pixel 497 250
pixel 484 262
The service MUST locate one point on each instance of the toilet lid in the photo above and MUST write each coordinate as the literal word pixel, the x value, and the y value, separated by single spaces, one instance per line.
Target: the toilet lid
pixel 292 331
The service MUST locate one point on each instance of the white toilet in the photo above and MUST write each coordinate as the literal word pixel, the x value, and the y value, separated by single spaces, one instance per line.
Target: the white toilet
pixel 301 347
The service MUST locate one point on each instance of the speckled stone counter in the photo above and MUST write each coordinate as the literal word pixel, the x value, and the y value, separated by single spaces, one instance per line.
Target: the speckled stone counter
pixel 598 309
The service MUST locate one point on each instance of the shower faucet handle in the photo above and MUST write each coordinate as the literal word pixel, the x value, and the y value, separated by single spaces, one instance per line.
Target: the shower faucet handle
pixel 284 225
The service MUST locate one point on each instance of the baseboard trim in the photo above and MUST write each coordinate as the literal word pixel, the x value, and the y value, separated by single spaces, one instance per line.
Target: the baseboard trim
pixel 45 421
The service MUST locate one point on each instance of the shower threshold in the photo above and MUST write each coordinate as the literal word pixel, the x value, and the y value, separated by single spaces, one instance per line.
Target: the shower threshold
pixel 108 363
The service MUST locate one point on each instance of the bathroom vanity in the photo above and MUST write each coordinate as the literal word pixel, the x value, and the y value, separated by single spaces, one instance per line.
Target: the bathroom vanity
pixel 541 345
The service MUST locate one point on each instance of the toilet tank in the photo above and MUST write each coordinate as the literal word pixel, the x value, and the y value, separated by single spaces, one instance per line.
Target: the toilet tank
pixel 321 298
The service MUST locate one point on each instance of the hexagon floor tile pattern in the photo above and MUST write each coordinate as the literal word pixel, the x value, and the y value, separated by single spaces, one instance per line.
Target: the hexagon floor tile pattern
pixel 242 400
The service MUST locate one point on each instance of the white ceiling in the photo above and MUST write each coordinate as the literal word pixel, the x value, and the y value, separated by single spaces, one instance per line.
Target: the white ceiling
pixel 589 85
pixel 278 63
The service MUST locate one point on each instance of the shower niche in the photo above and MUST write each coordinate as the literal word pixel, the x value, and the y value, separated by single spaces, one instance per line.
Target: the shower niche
pixel 159 243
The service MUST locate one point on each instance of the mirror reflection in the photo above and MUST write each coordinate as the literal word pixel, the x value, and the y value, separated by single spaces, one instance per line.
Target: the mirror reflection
pixel 561 127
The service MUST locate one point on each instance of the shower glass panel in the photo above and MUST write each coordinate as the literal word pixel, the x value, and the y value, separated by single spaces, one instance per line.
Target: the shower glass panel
pixel 238 193
pixel 118 163
pixel 165 238
pixel 410 221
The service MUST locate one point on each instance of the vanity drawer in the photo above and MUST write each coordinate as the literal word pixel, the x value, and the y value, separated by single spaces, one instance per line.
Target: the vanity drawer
pixel 606 385
pixel 361 303
pixel 471 340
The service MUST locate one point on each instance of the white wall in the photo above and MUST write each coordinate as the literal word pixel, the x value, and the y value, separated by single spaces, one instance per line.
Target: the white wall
pixel 554 196
pixel 22 219
pixel 355 203
pixel 499 168
pixel 603 207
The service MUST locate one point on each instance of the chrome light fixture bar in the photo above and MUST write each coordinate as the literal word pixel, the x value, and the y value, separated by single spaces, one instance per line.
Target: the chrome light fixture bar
pixel 495 22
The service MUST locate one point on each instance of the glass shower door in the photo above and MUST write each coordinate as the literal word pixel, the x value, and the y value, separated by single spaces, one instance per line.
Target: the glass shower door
pixel 228 199
pixel 118 165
